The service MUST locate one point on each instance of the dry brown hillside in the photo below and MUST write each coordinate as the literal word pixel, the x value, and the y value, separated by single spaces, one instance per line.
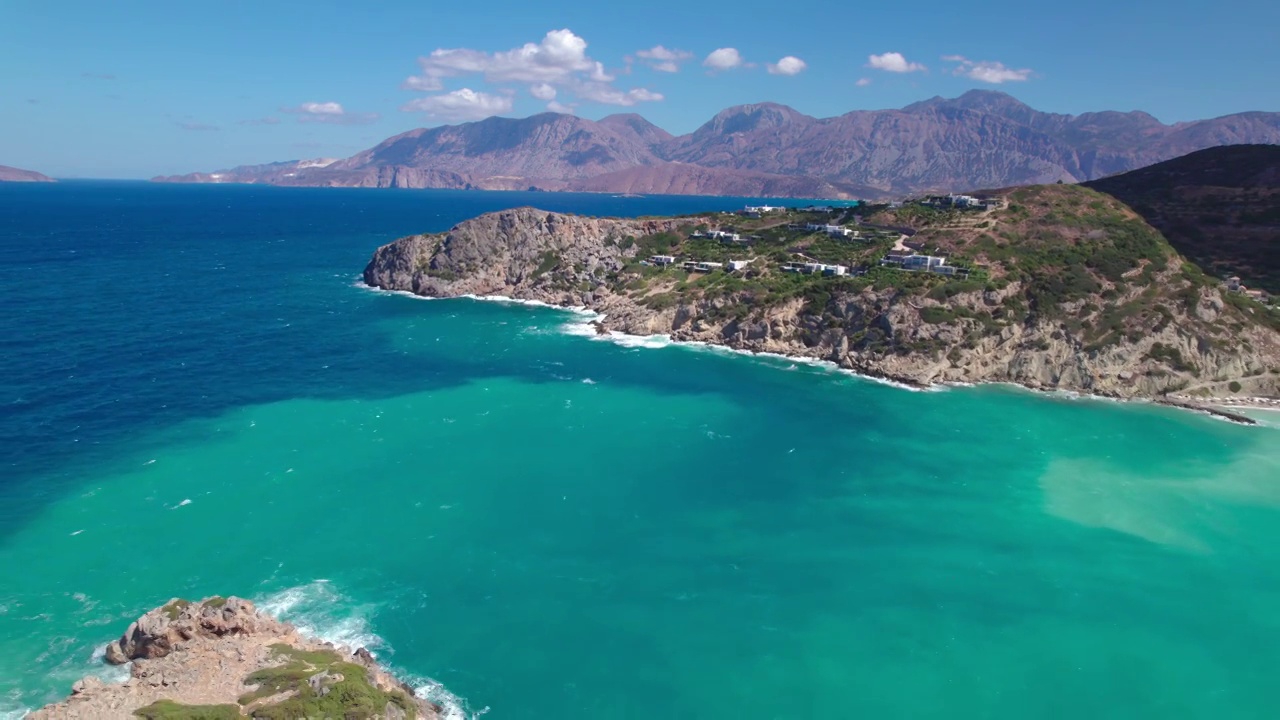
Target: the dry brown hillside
pixel 1219 207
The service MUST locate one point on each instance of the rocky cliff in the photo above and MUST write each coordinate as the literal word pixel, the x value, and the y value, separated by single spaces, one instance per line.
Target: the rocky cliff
pixel 1070 290
pixel 222 658
pixel 980 139
pixel 13 174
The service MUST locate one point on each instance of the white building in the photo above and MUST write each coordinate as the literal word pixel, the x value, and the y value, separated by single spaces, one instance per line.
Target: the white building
pixel 736 265
pixel 662 260
pixel 815 268
pixel 762 209
pixel 702 267
pixel 832 230
pixel 725 237
pixel 923 262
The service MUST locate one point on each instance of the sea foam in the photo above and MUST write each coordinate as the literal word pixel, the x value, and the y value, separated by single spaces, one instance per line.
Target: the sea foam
pixel 319 610
pixel 586 328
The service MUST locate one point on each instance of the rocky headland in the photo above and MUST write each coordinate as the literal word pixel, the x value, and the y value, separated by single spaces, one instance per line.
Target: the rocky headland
pixel 223 658
pixel 1069 290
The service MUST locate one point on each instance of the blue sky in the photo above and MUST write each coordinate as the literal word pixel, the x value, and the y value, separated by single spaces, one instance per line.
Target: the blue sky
pixel 134 89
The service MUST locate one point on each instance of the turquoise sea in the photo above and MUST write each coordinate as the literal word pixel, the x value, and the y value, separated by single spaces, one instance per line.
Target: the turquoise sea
pixel 197 398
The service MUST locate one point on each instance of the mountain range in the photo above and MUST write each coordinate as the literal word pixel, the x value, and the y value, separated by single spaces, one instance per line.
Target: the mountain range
pixel 980 139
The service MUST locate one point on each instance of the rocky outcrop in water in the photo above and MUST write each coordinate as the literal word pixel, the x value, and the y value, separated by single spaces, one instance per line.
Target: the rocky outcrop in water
pixel 223 658
pixel 1112 338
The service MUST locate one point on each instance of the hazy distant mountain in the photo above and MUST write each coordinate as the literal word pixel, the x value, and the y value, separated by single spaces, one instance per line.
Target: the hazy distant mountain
pixel 13 174
pixel 980 139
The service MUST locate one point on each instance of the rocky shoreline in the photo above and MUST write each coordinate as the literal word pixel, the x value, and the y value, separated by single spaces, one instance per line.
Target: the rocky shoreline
pixel 1217 410
pixel 223 658
pixel 572 261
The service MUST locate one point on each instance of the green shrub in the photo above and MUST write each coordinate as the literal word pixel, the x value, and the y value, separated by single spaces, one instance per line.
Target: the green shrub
pixel 170 710
pixel 175 608
pixel 549 260
pixel 936 315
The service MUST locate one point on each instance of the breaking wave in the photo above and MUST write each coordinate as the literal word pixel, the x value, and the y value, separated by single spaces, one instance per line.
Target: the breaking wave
pixel 319 610
pixel 585 328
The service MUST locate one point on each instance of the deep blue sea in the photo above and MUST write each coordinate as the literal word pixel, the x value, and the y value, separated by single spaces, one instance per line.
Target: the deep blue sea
pixel 197 397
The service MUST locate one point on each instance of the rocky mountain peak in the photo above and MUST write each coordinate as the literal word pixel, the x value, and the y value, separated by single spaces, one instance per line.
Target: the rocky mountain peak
pixel 749 118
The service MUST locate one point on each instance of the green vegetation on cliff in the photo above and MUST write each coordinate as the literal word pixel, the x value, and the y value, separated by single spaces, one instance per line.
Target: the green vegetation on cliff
pixel 169 710
pixel 323 685
pixel 1075 255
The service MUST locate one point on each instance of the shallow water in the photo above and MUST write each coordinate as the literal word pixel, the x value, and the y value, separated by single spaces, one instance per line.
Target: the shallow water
pixel 197 399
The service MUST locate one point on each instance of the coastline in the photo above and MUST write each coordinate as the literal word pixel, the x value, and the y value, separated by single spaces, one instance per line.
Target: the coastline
pixel 198 659
pixel 595 323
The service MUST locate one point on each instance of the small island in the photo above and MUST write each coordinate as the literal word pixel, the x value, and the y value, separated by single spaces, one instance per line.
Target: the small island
pixel 222 658
pixel 1054 287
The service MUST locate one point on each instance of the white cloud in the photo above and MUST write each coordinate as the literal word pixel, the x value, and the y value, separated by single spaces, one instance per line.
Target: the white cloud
pixel 893 62
pixel 459 105
pixel 789 65
pixel 606 94
pixel 558 63
pixel 987 71
pixel 324 108
pixel 663 59
pixel 863 82
pixel 329 112
pixel 723 59
pixel 559 55
pixel 556 107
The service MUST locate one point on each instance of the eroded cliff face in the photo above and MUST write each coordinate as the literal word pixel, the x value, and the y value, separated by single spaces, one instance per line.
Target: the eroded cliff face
pixel 222 658
pixel 577 261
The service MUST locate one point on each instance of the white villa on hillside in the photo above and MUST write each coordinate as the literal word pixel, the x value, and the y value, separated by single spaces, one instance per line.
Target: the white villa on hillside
pixel 702 267
pixel 814 268
pixel 722 236
pixel 832 230
pixel 922 263
pixel 762 209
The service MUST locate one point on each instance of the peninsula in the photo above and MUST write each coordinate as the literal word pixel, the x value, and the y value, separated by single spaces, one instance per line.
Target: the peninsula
pixel 13 174
pixel 222 658
pixel 1054 287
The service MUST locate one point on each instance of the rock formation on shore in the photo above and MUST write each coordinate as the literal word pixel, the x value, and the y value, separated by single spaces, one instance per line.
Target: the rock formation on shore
pixel 1082 295
pixel 223 658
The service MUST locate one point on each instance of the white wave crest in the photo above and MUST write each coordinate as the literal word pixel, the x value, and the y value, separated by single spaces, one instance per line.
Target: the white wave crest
pixel 585 328
pixel 105 671
pixel 575 309
pixel 452 706
pixel 320 611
